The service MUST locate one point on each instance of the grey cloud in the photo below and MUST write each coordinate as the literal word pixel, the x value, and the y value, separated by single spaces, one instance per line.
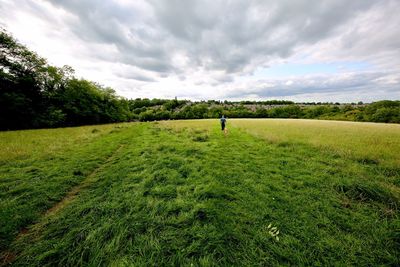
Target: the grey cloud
pixel 182 38
pixel 131 74
pixel 240 33
pixel 214 35
pixel 338 84
pixel 107 22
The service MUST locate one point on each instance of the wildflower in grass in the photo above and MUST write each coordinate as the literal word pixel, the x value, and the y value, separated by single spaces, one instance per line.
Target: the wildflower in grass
pixel 273 231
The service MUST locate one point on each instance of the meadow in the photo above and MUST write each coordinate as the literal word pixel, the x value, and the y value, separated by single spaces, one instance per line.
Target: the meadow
pixel 271 192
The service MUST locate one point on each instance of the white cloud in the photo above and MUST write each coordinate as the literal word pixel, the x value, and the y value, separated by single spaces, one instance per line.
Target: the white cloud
pixel 210 49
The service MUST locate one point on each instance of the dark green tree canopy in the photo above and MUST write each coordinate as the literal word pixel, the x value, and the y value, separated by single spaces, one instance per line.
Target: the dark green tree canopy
pixel 35 94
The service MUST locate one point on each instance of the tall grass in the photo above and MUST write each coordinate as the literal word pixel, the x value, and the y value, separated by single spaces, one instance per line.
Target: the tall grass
pixel 374 141
pixel 181 193
pixel 25 144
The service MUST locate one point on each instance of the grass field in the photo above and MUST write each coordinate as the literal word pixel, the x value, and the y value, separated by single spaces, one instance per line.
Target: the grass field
pixel 180 193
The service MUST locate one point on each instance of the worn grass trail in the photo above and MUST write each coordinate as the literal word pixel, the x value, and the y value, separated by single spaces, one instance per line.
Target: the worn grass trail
pixel 33 180
pixel 174 195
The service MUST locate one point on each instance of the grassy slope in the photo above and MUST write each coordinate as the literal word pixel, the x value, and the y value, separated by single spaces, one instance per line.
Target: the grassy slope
pixel 37 168
pixel 182 193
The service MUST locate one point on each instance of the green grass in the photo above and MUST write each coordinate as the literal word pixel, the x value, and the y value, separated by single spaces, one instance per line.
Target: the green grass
pixel 181 193
pixel 354 140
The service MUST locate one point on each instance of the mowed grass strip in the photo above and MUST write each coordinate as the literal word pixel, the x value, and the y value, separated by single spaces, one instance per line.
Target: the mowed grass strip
pixel 182 193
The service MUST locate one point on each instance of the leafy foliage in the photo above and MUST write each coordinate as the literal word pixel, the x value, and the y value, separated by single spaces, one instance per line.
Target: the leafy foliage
pixel 34 94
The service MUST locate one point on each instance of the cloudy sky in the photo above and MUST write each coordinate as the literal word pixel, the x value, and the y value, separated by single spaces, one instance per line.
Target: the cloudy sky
pixel 302 50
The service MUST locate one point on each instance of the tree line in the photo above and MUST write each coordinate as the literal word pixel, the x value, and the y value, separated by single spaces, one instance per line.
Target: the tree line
pixel 381 111
pixel 34 94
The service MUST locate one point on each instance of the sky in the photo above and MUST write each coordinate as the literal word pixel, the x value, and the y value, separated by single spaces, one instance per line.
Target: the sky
pixel 299 50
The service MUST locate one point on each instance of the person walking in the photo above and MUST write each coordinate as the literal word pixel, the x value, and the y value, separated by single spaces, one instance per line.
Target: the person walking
pixel 223 124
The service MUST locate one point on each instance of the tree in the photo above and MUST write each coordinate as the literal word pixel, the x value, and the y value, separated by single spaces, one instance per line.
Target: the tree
pixel 21 85
pixel 35 94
